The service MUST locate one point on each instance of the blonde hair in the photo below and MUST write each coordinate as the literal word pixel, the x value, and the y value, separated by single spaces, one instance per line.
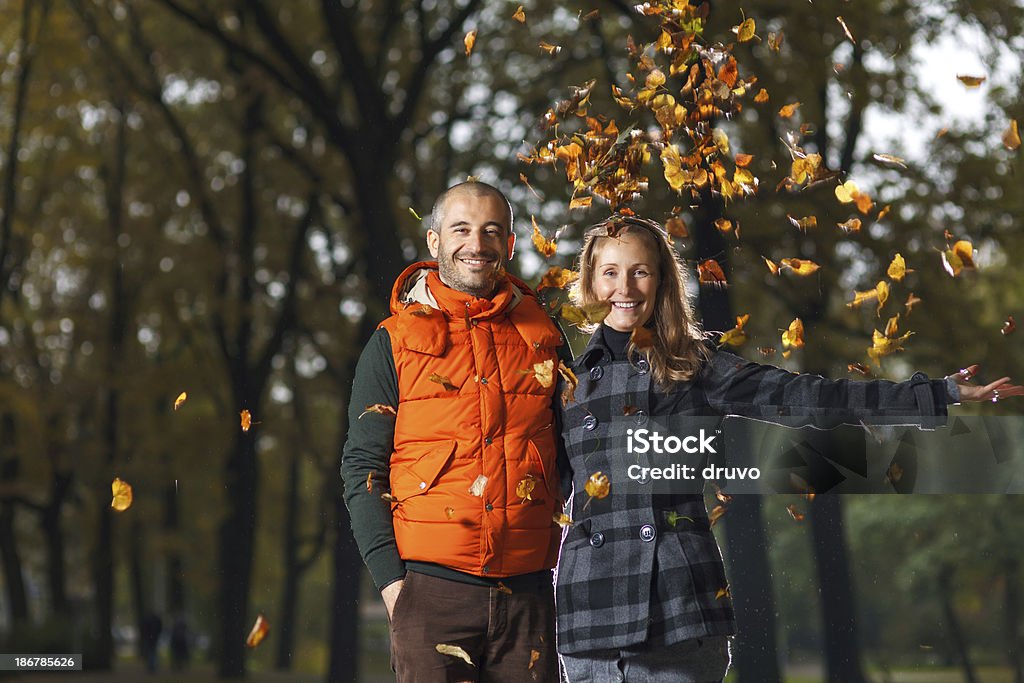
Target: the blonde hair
pixel 679 350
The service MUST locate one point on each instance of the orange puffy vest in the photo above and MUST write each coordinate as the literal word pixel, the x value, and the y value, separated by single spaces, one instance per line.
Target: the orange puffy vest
pixel 473 470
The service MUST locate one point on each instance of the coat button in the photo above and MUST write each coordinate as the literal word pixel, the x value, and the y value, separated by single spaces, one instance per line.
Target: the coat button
pixel 642 366
pixel 597 539
pixel 590 423
pixel 647 533
pixel 488 440
pixel 423 485
pixel 486 569
pixel 596 372
pixel 488 507
pixel 640 417
pixel 483 380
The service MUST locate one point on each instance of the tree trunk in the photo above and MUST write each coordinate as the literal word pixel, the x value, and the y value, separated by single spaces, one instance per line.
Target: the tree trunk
pixel 139 601
pixel 175 568
pixel 1011 572
pixel 290 591
pixel 10 558
pixel 54 535
pixel 956 634
pixel 838 606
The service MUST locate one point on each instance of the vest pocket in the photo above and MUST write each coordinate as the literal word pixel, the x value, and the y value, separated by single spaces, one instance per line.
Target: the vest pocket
pixel 419 468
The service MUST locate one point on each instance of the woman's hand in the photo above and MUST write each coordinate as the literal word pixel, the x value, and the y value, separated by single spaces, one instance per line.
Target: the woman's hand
pixel 996 391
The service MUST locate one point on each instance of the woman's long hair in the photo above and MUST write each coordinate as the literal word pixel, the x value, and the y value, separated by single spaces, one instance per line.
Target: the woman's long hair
pixel 679 350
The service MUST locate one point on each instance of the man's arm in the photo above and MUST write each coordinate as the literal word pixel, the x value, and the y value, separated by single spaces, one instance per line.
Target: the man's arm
pixel 365 464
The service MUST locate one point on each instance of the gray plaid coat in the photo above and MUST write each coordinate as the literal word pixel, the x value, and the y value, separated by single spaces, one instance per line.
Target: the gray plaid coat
pixel 642 568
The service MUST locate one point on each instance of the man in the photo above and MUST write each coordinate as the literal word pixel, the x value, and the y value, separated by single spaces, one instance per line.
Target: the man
pixel 450 464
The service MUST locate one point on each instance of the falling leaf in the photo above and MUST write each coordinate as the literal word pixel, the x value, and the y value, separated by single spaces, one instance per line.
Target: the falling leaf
pixel 958 257
pixel 641 338
pixel 883 213
pixel 557 278
pixel 369 482
pixel 544 246
pixel 971 81
pixel 846 30
pixel 889 342
pixel 630 410
pixel 676 227
pixel 477 487
pixel 736 337
pixel 795 513
pixel 571 382
pixel 598 485
pixel 449 512
pixel 898 268
pixel 793 337
pixel 716 514
pixel 849 192
pixel 852 225
pixel 181 399
pixel 710 273
pixel 673 518
pixel 859 368
pixel 454 651
pixel 722 496
pixel 502 588
pixel 1009 327
pixel 745 31
pixel 422 310
pixel 771 265
pixel 799 266
pixel 525 487
pixel 879 293
pixel 743 160
pixel 469 41
pixel 775 41
pixel 1011 136
pixel 443 381
pixel 911 300
pixel 563 520
pixel 380 409
pixel 805 223
pixel 388 498
pixel 894 473
pixel 549 48
pixel 534 656
pixel 767 351
pixel 122 492
pixel 580 203
pixel 259 631
pixel 415 215
pixel 761 97
pixel 889 160
pixel 788 110
pixel 590 314
pixel 520 15
pixel 246 419
pixel 544 372
pixel 723 224
pixel 723 593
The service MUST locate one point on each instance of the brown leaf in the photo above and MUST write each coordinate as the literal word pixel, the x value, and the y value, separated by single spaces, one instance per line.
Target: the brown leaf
pixel 1011 136
pixel 544 246
pixel 380 409
pixel 571 382
pixel 642 338
pixel 761 97
pixel 676 227
pixel 859 368
pixel 795 513
pixel 851 225
pixel 710 273
pixel 443 381
pixel 971 81
pixel 1009 327
pixel 245 417
pixel 788 110
pixel 805 223
pixel 716 514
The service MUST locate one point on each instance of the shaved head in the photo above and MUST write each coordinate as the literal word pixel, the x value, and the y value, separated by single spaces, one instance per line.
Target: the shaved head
pixel 470 188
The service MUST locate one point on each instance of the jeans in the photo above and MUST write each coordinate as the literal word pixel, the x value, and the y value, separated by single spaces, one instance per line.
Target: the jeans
pixel 701 660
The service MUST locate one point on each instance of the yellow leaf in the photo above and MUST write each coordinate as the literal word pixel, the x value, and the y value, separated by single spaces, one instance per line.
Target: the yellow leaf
pixel 771 265
pixel 591 314
pixel 736 337
pixel 580 202
pixel 745 31
pixel 598 485
pixel 801 267
pixel 449 512
pixel 805 223
pixel 443 380
pixel 563 520
pixel 534 656
pixel 793 338
pixel 544 372
pixel 469 41
pixel 557 278
pixel 122 492
pixel 454 651
pixel 520 15
pixel 898 268
pixel 525 487
pixel 971 81
pixel 852 225
pixel 960 256
pixel 544 246
pixel 723 593
pixel 181 399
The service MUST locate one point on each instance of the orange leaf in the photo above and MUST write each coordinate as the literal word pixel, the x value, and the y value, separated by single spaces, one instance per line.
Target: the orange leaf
pixel 598 485
pixel 549 48
pixel 557 278
pixel 469 41
pixel 1011 136
pixel 805 223
pixel 181 399
pixel 246 420
pixel 771 265
pixel 379 409
pixel 743 160
pixel 852 225
pixel 723 593
pixel 723 224
pixel 761 97
pixel 793 338
pixel 788 110
pixel 580 202
pixel 443 381
pixel 676 227
pixel 449 512
pixel 710 273
pixel 716 514
pixel 259 631
pixel 520 15
pixel 534 656
pixel 642 338
pixel 122 492
pixel 911 300
pixel 369 482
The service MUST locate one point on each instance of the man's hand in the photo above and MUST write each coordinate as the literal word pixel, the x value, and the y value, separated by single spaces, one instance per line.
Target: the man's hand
pixel 390 595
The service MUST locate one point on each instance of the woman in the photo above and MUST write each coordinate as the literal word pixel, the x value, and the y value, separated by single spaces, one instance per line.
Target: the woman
pixel 640 588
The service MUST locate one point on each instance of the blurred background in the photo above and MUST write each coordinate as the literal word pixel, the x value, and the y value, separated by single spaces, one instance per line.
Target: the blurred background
pixel 215 198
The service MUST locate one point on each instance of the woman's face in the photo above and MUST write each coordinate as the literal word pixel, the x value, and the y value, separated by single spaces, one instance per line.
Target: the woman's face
pixel 626 275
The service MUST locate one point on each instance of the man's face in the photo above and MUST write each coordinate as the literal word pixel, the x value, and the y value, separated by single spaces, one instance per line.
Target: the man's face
pixel 474 243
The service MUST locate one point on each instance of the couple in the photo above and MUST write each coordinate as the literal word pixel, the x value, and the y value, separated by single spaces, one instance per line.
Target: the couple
pixel 454 495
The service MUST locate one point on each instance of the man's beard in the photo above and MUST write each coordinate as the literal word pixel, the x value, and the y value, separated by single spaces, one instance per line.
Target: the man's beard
pixel 482 285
